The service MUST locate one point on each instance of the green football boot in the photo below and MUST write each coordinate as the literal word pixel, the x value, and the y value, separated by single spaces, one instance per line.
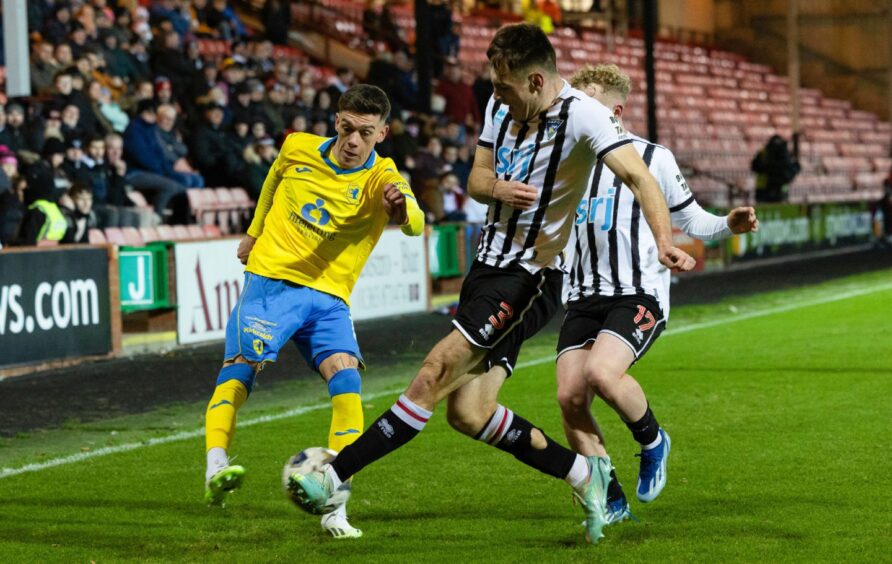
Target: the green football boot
pixel 594 497
pixel 226 480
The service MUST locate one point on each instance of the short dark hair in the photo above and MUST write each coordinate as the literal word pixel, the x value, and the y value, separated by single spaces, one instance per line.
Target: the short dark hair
pixel 521 46
pixel 365 99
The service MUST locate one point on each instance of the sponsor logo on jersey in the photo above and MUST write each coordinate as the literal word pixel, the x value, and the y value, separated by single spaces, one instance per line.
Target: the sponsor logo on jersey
pixel 258 346
pixel 589 208
pixel 486 332
pixel 314 213
pixel 500 115
pixel 257 332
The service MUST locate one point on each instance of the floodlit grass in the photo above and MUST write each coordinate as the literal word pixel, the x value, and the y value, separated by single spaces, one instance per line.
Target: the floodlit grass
pixel 779 425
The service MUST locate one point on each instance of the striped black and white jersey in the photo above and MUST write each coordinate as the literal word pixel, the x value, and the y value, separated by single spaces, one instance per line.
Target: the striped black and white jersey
pixel 613 251
pixel 554 153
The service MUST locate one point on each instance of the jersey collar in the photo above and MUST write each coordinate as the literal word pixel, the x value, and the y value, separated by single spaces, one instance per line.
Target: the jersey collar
pixel 324 150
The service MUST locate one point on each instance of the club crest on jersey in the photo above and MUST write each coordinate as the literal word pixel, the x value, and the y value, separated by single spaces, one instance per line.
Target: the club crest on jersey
pixel 258 346
pixel 551 128
pixel 352 192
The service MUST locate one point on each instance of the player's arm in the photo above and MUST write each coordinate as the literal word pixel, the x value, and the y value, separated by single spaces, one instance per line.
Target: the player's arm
pixel 484 187
pixel 401 205
pixel 264 203
pixel 626 163
pixel 687 214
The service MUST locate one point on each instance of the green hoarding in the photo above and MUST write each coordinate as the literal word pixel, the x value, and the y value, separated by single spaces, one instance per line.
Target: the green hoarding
pixel 144 277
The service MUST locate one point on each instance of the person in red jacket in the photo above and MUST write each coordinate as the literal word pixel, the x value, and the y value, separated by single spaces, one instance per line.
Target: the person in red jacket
pixel 461 106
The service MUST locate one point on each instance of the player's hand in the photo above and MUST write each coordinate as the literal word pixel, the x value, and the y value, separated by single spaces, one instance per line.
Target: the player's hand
pixel 674 258
pixel 244 248
pixel 395 204
pixel 516 194
pixel 743 220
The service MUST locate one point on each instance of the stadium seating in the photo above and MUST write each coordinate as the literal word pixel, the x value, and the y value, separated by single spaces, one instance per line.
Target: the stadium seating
pixel 96 237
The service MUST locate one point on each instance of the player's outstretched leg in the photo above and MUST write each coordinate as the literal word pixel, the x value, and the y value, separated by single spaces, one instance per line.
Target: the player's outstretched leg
pixel 445 368
pixel 474 410
pixel 344 387
pixel 233 386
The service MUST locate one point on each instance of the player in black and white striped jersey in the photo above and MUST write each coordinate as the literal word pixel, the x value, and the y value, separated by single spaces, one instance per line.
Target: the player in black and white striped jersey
pixel 618 295
pixel 537 151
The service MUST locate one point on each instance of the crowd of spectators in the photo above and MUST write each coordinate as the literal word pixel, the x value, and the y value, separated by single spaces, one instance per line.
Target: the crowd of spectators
pixel 124 100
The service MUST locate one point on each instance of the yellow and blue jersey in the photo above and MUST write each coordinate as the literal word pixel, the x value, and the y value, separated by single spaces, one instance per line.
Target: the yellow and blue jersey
pixel 316 223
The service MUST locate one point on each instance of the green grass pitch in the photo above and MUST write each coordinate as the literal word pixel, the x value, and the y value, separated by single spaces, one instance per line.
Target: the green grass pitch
pixel 778 406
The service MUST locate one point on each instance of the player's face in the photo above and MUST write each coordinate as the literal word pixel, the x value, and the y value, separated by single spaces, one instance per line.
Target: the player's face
pixel 357 136
pixel 520 91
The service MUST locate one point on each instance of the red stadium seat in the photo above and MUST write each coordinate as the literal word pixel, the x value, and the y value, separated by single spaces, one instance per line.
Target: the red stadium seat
pixel 97 237
pixel 131 236
pixel 180 232
pixel 211 231
pixel 149 234
pixel 195 232
pixel 166 233
pixel 114 236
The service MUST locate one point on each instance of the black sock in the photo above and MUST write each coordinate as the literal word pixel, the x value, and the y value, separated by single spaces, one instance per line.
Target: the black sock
pixel 396 427
pixel 646 429
pixel 554 459
pixel 614 488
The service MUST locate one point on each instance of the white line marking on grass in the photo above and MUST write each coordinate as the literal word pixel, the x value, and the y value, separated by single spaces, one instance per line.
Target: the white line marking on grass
pixel 81 456
pixel 746 316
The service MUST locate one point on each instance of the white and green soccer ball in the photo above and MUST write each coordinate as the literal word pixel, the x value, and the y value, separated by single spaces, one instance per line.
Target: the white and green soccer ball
pixel 305 462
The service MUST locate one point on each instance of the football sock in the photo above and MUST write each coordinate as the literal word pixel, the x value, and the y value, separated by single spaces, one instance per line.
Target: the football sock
pixel 646 430
pixel 511 433
pixel 346 408
pixel 221 413
pixel 217 459
pixel 396 427
pixel 578 474
pixel 614 488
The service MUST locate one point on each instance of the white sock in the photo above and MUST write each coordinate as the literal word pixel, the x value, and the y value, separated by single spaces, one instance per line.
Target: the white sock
pixel 217 459
pixel 335 480
pixel 578 475
pixel 654 444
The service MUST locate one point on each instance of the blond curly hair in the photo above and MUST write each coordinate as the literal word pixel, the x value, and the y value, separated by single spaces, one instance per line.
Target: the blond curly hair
pixel 608 77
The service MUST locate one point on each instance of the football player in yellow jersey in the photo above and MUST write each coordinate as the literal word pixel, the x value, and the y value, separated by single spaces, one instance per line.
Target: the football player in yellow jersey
pixel 322 209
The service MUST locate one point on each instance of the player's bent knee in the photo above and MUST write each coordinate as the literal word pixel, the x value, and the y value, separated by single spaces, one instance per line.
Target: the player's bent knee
pixel 571 400
pixel 240 370
pixel 602 380
pixel 336 363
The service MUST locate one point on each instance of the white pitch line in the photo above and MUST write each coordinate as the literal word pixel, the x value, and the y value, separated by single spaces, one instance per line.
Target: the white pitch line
pixel 81 456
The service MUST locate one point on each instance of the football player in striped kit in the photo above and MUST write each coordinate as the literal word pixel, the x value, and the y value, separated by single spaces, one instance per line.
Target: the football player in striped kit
pixel 539 143
pixel 618 296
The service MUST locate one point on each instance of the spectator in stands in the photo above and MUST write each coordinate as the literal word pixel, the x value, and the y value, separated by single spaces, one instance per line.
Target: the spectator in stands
pixel 323 111
pixel 118 62
pixel 448 45
pixel 406 93
pixel 276 18
pixel 384 74
pixel 108 189
pixel 163 91
pixel 168 59
pixel 216 156
pixel 176 151
pixel 342 80
pixel 167 195
pixel 43 67
pixel 458 166
pixel 276 110
pixel 482 88
pixel 74 166
pixel 66 94
pixel 461 106
pixel 57 29
pixel 71 119
pixel 111 116
pixel 14 134
pixel 79 215
pixel 243 107
pixel 43 220
pixel 428 167
pixel 64 56
pixel 12 210
pixel 51 168
pixel 775 168
pixel 403 145
pixel 260 157
pixel 452 198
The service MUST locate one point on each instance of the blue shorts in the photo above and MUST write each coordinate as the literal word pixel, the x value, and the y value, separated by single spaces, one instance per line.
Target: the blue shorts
pixel 269 312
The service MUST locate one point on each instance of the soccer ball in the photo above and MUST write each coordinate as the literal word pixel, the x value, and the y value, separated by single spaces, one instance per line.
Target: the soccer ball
pixel 305 462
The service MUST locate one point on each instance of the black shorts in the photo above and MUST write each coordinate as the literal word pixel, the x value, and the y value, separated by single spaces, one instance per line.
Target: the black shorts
pixel 635 320
pixel 499 308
